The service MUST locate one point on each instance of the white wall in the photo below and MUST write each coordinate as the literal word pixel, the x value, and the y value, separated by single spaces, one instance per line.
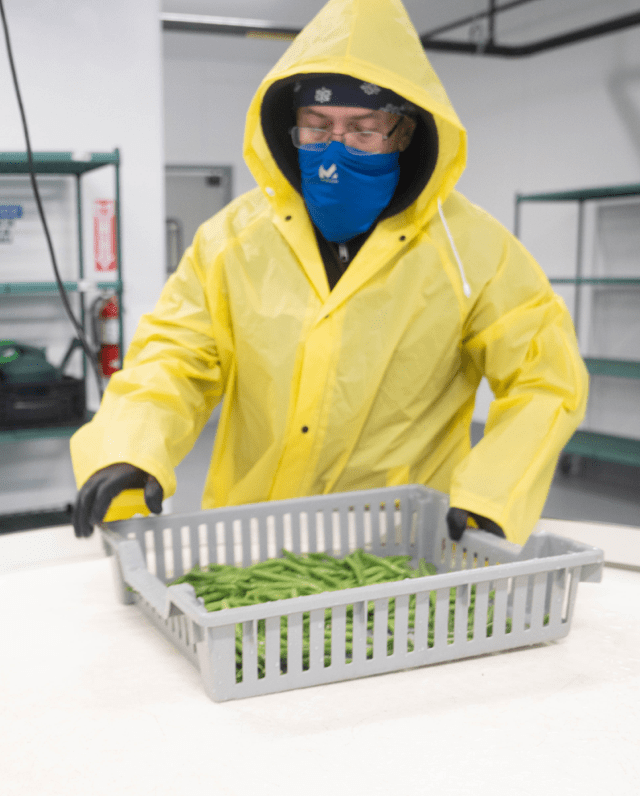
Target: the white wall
pixel 90 79
pixel 568 118
pixel 90 76
pixel 209 82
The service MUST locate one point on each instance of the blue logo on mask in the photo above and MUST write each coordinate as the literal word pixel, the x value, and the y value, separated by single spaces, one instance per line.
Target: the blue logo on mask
pixel 345 193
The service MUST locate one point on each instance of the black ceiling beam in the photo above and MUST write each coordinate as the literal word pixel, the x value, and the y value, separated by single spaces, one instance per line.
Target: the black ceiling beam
pixel 490 13
pixel 533 48
pixel 256 28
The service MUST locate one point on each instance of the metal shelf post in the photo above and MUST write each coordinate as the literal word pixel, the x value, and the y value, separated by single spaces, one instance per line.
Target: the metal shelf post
pixel 608 447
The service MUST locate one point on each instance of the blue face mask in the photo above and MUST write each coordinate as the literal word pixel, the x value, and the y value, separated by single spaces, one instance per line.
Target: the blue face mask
pixel 345 193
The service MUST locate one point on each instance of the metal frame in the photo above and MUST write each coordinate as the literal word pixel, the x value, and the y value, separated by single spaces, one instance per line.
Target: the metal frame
pixel 65 164
pixel 485 45
pixel 593 444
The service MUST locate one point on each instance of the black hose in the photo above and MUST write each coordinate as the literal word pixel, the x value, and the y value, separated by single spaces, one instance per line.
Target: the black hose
pixel 32 174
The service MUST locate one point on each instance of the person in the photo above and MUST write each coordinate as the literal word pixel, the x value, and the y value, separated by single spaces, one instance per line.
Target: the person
pixel 345 311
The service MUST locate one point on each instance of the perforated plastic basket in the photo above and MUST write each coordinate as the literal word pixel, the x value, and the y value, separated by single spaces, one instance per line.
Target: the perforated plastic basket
pixel 527 592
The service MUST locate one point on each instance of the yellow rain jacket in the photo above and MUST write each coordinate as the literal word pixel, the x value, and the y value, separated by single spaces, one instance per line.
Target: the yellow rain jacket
pixel 371 383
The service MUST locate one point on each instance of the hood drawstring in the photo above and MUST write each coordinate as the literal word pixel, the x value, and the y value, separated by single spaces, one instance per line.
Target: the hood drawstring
pixel 465 284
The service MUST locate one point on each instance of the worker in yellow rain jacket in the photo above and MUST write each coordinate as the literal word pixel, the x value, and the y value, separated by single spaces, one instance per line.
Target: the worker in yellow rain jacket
pixel 345 310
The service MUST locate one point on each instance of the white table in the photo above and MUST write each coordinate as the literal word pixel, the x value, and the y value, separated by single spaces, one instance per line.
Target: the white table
pixel 93 701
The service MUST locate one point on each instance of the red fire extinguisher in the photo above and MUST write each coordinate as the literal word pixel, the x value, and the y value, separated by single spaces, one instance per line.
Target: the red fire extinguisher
pixel 105 313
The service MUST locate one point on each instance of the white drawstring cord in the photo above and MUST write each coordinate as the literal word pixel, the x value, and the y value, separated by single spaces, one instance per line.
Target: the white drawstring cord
pixel 465 284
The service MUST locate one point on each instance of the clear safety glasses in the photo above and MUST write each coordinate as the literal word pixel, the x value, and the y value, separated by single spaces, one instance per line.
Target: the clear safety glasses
pixel 358 142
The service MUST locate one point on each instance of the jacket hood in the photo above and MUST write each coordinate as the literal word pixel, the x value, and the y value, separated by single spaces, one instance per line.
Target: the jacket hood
pixel 375 42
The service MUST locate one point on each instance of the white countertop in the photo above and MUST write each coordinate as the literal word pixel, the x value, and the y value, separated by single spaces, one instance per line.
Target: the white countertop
pixel 93 701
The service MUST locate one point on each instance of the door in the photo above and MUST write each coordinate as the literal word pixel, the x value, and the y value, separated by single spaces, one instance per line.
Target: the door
pixel 192 195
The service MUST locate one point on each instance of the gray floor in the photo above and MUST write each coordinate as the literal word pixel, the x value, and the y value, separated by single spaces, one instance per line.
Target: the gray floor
pixel 593 490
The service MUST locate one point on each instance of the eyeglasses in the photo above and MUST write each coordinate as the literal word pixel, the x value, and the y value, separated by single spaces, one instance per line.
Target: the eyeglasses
pixel 358 142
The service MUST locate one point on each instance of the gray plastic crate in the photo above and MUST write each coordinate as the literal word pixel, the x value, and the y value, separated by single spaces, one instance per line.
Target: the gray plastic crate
pixel 529 591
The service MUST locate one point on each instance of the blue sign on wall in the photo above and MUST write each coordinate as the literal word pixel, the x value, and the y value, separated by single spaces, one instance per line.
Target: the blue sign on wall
pixel 10 211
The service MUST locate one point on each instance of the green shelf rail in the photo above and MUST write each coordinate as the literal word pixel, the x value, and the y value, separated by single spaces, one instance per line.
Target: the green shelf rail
pixel 582 194
pixel 619 368
pixel 29 288
pixel 57 162
pixel 595 280
pixel 45 432
pixel 592 444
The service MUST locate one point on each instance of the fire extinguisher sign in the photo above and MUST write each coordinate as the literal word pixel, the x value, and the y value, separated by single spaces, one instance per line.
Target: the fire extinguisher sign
pixel 104 235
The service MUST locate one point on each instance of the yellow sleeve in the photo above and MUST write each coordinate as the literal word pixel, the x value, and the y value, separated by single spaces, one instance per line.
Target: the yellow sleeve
pixel 521 337
pixel 172 377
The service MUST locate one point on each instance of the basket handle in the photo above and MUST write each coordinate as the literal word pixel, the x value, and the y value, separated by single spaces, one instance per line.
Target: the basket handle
pixel 165 600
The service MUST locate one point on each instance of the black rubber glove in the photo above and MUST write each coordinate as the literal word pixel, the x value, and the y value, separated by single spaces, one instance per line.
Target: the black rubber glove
pixel 457 522
pixel 101 488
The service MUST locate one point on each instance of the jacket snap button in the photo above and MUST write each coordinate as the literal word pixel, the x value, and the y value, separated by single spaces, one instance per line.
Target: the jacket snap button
pixel 305 429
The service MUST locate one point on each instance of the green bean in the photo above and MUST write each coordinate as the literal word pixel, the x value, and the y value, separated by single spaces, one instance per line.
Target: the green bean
pixel 214 596
pixel 292 561
pixel 356 568
pixel 269 575
pixel 279 584
pixel 326 580
pixel 398 559
pixel 382 563
pixel 425 569
pixel 320 557
pixel 269 563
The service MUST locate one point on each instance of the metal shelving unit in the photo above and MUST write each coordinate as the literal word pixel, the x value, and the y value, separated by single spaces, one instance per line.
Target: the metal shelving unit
pixel 593 444
pixel 75 166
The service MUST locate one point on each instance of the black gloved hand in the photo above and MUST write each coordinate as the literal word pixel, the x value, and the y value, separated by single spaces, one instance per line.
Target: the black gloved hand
pixel 100 489
pixel 457 522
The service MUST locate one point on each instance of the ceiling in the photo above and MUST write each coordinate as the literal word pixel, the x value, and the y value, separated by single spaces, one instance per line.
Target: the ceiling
pixel 528 22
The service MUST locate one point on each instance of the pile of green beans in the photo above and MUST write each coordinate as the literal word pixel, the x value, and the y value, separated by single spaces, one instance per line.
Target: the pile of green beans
pixel 226 586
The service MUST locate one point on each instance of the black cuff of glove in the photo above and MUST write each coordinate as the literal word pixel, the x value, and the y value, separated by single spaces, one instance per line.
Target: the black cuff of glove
pixel 457 523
